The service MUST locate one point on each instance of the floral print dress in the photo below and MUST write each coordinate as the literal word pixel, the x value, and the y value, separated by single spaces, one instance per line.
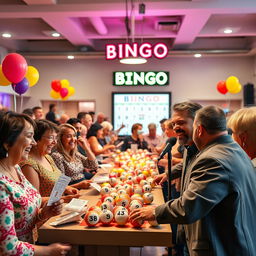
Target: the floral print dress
pixel 19 204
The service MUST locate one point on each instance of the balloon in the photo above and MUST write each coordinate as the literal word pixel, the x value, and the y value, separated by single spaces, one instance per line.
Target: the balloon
pixel 237 89
pixel 63 92
pixel 56 85
pixel 14 67
pixel 65 98
pixel 64 83
pixel 232 83
pixel 32 76
pixel 3 80
pixel 221 87
pixel 54 94
pixel 71 91
pixel 21 87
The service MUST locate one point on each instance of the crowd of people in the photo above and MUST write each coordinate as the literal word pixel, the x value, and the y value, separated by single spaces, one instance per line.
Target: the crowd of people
pixel 213 174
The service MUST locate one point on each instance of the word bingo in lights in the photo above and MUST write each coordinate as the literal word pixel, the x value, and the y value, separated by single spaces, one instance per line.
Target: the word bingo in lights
pixel 144 50
pixel 140 78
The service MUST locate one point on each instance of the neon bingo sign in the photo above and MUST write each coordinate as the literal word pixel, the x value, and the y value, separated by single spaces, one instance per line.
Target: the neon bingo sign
pixel 144 50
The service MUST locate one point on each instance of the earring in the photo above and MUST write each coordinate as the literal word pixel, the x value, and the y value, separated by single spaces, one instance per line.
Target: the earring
pixel 6 155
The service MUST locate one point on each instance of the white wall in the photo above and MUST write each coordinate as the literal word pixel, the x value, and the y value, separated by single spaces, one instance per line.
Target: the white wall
pixel 190 78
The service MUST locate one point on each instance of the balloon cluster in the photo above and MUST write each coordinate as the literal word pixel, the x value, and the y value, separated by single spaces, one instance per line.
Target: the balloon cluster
pixel 61 89
pixel 231 85
pixel 15 70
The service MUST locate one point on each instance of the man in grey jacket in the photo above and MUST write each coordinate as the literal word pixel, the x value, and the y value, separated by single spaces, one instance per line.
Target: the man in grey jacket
pixel 218 200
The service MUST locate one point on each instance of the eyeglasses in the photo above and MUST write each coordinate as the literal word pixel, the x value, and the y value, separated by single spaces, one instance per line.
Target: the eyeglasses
pixel 51 138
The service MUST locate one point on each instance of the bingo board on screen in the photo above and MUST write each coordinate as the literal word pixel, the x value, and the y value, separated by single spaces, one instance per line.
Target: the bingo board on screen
pixel 144 108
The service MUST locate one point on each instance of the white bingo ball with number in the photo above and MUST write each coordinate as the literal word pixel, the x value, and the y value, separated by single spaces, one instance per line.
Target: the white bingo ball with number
pixel 109 199
pixel 146 189
pixel 106 206
pixel 106 217
pixel 92 218
pixel 121 217
pixel 105 191
pixel 112 181
pixel 148 198
pixel 135 204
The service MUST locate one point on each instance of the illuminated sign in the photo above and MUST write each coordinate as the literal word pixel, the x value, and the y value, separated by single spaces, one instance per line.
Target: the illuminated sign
pixel 144 50
pixel 132 78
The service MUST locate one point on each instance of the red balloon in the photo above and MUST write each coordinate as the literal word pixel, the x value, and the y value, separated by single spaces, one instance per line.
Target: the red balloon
pixel 221 87
pixel 63 92
pixel 56 85
pixel 14 67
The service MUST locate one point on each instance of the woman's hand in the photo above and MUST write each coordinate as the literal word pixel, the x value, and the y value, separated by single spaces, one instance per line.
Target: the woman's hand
pixel 83 143
pixel 84 184
pixel 57 249
pixel 68 198
pixel 50 211
pixel 71 191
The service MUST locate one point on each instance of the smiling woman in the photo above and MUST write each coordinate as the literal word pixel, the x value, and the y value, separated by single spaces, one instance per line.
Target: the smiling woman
pixel 20 203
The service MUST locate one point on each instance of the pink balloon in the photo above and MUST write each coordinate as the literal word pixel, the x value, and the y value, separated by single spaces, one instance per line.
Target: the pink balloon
pixel 63 92
pixel 14 67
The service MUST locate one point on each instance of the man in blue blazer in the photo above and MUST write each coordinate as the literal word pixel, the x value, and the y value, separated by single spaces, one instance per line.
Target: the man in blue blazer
pixel 218 200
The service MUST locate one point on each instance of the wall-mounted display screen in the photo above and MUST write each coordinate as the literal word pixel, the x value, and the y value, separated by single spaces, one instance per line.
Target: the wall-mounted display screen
pixel 144 108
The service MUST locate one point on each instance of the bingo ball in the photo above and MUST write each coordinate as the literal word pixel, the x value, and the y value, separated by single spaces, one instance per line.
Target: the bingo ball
pixel 106 217
pixel 104 191
pixel 137 197
pixel 121 191
pixel 91 218
pixel 114 195
pixel 121 217
pixel 106 206
pixel 146 189
pixel 136 223
pixel 137 190
pixel 109 199
pixel 143 182
pixel 148 198
pixel 106 184
pixel 112 181
pixel 119 208
pixel 122 202
pixel 95 209
pixel 135 205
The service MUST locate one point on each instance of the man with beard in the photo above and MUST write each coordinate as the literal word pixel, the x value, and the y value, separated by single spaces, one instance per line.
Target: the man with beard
pixel 218 200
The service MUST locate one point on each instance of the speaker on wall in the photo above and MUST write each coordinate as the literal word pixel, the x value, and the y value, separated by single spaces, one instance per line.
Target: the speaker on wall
pixel 248 94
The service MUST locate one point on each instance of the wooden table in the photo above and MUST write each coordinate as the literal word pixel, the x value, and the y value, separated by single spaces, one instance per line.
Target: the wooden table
pixel 107 240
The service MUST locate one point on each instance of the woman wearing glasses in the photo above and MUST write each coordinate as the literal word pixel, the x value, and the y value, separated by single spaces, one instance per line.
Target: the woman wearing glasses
pixel 40 168
pixel 69 160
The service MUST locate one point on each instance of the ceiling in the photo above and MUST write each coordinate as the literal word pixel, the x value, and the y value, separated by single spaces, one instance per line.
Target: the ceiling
pixel 86 26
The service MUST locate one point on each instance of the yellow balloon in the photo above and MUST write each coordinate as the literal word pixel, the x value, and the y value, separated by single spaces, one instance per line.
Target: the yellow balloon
pixel 54 95
pixel 237 89
pixel 3 80
pixel 232 83
pixel 71 91
pixel 64 83
pixel 65 98
pixel 32 75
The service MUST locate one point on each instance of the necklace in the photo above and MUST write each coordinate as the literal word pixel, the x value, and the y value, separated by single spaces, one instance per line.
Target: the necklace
pixel 7 171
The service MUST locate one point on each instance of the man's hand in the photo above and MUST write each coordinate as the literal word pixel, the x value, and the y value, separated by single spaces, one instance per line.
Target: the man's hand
pixel 144 213
pixel 160 179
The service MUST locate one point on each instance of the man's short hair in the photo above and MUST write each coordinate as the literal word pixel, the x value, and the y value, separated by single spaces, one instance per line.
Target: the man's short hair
pixel 152 126
pixel 136 126
pixel 190 107
pixel 51 106
pixel 36 108
pixel 81 115
pixel 163 120
pixel 212 118
pixel 73 121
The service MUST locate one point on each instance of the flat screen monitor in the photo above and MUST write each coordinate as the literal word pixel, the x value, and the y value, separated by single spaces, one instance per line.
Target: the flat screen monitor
pixel 144 108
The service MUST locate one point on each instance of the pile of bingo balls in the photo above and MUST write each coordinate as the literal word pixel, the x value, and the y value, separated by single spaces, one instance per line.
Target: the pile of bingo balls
pixel 129 187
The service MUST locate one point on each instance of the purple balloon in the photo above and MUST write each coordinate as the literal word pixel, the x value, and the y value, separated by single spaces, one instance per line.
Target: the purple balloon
pixel 21 87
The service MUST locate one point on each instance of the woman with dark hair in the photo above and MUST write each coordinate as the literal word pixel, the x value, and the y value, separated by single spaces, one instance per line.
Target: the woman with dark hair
pixel 40 168
pixel 94 134
pixel 20 203
pixel 69 160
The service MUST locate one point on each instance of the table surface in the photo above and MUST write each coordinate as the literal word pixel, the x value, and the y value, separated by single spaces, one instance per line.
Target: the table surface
pixel 75 233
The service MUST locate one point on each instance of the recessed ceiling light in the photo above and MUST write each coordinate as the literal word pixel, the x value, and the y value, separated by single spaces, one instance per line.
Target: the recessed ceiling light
pixel 70 57
pixel 6 35
pixel 198 55
pixel 228 31
pixel 55 34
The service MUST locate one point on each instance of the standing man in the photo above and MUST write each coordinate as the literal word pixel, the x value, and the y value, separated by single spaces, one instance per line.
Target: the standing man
pixel 217 203
pixel 51 115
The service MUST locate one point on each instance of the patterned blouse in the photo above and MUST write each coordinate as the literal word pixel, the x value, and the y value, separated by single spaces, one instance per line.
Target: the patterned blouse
pixel 47 177
pixel 76 168
pixel 19 204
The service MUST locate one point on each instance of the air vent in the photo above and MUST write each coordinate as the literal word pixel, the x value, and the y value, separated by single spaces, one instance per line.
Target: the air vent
pixel 167 24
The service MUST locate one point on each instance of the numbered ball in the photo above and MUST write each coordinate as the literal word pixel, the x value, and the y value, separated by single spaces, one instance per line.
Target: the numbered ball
pixel 113 181
pixel 109 199
pixel 95 209
pixel 106 206
pixel 148 198
pixel 121 217
pixel 137 223
pixel 135 204
pixel 105 191
pixel 122 202
pixel 146 188
pixel 92 218
pixel 106 217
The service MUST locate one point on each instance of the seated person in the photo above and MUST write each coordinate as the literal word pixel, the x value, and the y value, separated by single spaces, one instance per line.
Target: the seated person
pixel 40 168
pixel 94 134
pixel 109 137
pixel 69 160
pixel 135 138
pixel 21 207
pixel 152 138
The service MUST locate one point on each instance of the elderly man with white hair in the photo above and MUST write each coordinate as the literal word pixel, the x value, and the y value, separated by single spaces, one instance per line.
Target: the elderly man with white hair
pixel 152 138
